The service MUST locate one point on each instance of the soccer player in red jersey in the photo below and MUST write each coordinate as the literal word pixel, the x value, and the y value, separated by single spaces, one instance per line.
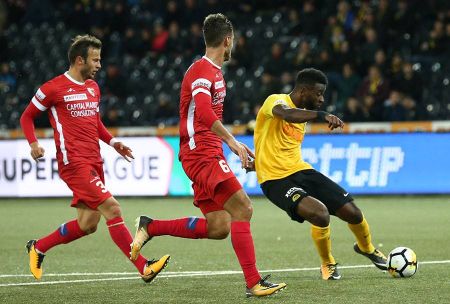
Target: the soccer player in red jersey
pixel 72 102
pixel 217 192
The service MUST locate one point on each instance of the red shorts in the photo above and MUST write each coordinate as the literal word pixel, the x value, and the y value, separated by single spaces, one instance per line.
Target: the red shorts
pixel 212 180
pixel 87 183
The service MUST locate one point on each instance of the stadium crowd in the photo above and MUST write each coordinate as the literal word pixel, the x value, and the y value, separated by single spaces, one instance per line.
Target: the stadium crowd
pixel 385 60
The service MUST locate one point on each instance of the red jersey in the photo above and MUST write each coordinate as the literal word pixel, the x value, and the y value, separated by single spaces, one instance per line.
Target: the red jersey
pixel 203 91
pixel 73 113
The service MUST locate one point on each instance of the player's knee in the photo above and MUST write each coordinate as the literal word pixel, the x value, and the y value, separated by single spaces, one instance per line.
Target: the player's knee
pixel 350 213
pixel 320 216
pixel 356 216
pixel 219 233
pixel 88 228
pixel 246 212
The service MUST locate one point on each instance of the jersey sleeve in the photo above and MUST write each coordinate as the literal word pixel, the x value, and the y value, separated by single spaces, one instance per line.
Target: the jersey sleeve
pixel 43 99
pixel 271 102
pixel 201 93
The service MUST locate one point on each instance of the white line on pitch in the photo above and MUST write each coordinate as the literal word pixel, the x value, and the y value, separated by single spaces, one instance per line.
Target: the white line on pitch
pixel 171 274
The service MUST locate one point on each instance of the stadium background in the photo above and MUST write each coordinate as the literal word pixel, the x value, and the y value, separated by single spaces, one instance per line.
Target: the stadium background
pixel 398 144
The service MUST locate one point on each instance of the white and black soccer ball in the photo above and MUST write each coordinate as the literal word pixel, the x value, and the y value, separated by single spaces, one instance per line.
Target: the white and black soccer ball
pixel 402 262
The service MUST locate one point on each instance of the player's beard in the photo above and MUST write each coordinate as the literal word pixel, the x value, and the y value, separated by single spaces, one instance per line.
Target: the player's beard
pixel 310 104
pixel 87 73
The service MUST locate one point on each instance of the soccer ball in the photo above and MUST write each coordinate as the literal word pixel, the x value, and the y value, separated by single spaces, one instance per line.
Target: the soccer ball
pixel 402 262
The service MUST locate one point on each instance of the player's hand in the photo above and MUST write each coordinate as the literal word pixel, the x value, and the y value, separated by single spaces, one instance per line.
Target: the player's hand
pixel 241 150
pixel 36 151
pixel 124 151
pixel 251 166
pixel 334 122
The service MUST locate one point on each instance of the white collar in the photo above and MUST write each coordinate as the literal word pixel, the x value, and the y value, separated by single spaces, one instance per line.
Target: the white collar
pixel 71 79
pixel 210 61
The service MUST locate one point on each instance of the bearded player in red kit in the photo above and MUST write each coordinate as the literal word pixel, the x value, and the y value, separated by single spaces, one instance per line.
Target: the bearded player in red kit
pixel 72 102
pixel 217 192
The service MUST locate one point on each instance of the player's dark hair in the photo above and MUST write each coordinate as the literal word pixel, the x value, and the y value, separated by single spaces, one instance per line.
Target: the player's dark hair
pixel 80 46
pixel 215 28
pixel 310 77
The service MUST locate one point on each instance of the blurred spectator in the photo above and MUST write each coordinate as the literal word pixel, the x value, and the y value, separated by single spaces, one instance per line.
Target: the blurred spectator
pixel 286 82
pixel 7 78
pixel 409 82
pixel 344 15
pixel 380 61
pixel 304 57
pixel 310 20
pixel 323 61
pixel 166 112
pixel 353 111
pixel 410 107
pixel 241 55
pixel 176 44
pixel 393 107
pixel 436 43
pixel 276 63
pixel 337 39
pixel 115 83
pixel 369 48
pixel 267 87
pixel 160 36
pixel 371 110
pixel 172 13
pixel 195 44
pixel 375 85
pixel 348 84
pixel 396 66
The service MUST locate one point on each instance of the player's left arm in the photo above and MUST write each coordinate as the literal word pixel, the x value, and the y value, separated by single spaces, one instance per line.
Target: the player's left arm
pixel 106 137
pixel 296 115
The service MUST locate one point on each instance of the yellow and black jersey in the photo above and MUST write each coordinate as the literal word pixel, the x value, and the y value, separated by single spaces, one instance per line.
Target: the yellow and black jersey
pixel 277 142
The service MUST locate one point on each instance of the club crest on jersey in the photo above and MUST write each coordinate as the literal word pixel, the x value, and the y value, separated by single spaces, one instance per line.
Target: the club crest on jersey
pixel 91 91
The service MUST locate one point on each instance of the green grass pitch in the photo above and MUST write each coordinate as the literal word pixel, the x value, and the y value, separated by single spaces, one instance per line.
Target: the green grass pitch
pixel 93 270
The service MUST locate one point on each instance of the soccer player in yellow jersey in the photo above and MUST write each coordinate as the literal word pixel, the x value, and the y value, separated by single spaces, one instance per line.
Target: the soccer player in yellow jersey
pixel 292 184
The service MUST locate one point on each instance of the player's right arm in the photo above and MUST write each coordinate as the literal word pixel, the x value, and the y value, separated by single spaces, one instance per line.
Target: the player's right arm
pixel 238 148
pixel 38 104
pixel 296 115
pixel 201 93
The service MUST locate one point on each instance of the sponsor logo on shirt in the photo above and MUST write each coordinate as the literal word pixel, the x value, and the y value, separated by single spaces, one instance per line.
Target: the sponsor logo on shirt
pixel 39 95
pixel 201 82
pixel 74 97
pixel 218 84
pixel 70 90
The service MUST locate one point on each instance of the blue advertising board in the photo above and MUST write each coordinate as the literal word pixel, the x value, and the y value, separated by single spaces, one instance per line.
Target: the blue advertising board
pixel 405 163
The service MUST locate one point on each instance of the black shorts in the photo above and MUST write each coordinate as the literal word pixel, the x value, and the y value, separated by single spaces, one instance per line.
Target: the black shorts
pixel 288 192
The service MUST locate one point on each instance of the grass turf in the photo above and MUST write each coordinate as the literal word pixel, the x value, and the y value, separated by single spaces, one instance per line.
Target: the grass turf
pixel 420 223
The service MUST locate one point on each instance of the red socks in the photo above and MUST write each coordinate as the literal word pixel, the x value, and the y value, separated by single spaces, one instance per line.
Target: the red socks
pixel 188 227
pixel 66 233
pixel 241 238
pixel 122 237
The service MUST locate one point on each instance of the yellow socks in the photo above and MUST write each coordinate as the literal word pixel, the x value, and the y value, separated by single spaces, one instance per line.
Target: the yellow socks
pixel 321 238
pixel 362 234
